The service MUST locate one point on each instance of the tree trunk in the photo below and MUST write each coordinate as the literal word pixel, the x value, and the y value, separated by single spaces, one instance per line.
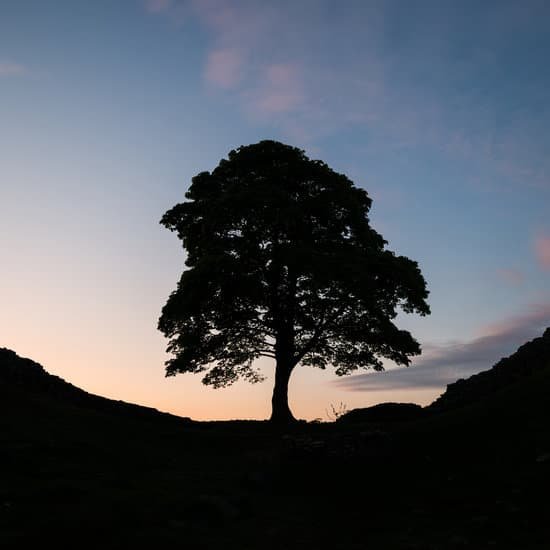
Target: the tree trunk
pixel 280 411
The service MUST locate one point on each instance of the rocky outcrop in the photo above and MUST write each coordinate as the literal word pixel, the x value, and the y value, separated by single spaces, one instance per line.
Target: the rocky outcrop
pixel 25 373
pixel 531 358
pixel 384 412
pixel 28 377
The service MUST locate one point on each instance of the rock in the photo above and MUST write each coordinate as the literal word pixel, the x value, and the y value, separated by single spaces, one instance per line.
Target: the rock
pixel 384 412
pixel 27 376
pixel 530 358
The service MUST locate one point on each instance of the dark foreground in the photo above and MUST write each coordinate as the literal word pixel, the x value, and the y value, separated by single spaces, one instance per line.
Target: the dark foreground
pixel 473 477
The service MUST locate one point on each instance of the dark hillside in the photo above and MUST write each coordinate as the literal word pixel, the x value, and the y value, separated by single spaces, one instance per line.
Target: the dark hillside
pixel 21 374
pixel 529 360
pixel 383 412
pixel 81 471
pixel 526 370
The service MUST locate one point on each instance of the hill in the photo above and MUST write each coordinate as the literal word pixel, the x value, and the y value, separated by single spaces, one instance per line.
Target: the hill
pixel 382 413
pixel 524 372
pixel 24 376
pixel 84 471
pixel 531 359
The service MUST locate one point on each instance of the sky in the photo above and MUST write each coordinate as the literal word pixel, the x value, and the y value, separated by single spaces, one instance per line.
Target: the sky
pixel 439 109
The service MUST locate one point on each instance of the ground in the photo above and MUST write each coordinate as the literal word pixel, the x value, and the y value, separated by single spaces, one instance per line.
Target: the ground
pixel 473 478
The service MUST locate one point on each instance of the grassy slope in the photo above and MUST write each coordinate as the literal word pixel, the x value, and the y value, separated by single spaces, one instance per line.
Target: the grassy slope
pixel 475 477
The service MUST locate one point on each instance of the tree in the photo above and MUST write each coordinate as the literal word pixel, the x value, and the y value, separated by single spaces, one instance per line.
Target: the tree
pixel 282 263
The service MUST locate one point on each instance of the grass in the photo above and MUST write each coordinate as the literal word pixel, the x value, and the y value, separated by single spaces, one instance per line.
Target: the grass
pixel 82 471
pixel 471 478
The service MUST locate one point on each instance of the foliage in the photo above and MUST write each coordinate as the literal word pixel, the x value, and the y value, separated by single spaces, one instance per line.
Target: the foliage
pixel 336 412
pixel 282 262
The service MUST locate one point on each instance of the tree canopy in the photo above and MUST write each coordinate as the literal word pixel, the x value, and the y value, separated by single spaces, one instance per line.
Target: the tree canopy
pixel 282 262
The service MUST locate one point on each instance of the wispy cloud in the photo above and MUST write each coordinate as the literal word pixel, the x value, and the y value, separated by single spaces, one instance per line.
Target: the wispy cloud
pixel 281 90
pixel 403 97
pixel 224 68
pixel 442 364
pixel 245 60
pixel 511 276
pixel 8 68
pixel 236 22
pixel 542 250
pixel 158 6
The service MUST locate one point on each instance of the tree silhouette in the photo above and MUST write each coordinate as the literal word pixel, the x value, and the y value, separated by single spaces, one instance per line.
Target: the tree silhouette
pixel 282 263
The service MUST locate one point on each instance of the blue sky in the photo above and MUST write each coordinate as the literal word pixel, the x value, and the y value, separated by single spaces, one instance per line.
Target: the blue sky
pixel 107 109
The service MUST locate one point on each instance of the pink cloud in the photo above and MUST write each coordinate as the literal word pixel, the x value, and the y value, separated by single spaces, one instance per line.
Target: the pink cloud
pixel 511 276
pixel 280 75
pixel 542 251
pixel 224 67
pixel 218 14
pixel 359 89
pixel 441 364
pixel 536 317
pixel 281 90
pixel 11 69
pixel 158 6
pixel 237 23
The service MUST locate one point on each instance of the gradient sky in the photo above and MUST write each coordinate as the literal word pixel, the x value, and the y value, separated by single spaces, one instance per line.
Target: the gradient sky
pixel 440 109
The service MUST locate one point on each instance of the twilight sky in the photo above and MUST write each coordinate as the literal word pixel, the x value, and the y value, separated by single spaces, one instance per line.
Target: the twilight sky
pixel 439 109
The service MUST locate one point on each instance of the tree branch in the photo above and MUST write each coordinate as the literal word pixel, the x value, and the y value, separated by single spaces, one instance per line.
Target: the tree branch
pixel 321 327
